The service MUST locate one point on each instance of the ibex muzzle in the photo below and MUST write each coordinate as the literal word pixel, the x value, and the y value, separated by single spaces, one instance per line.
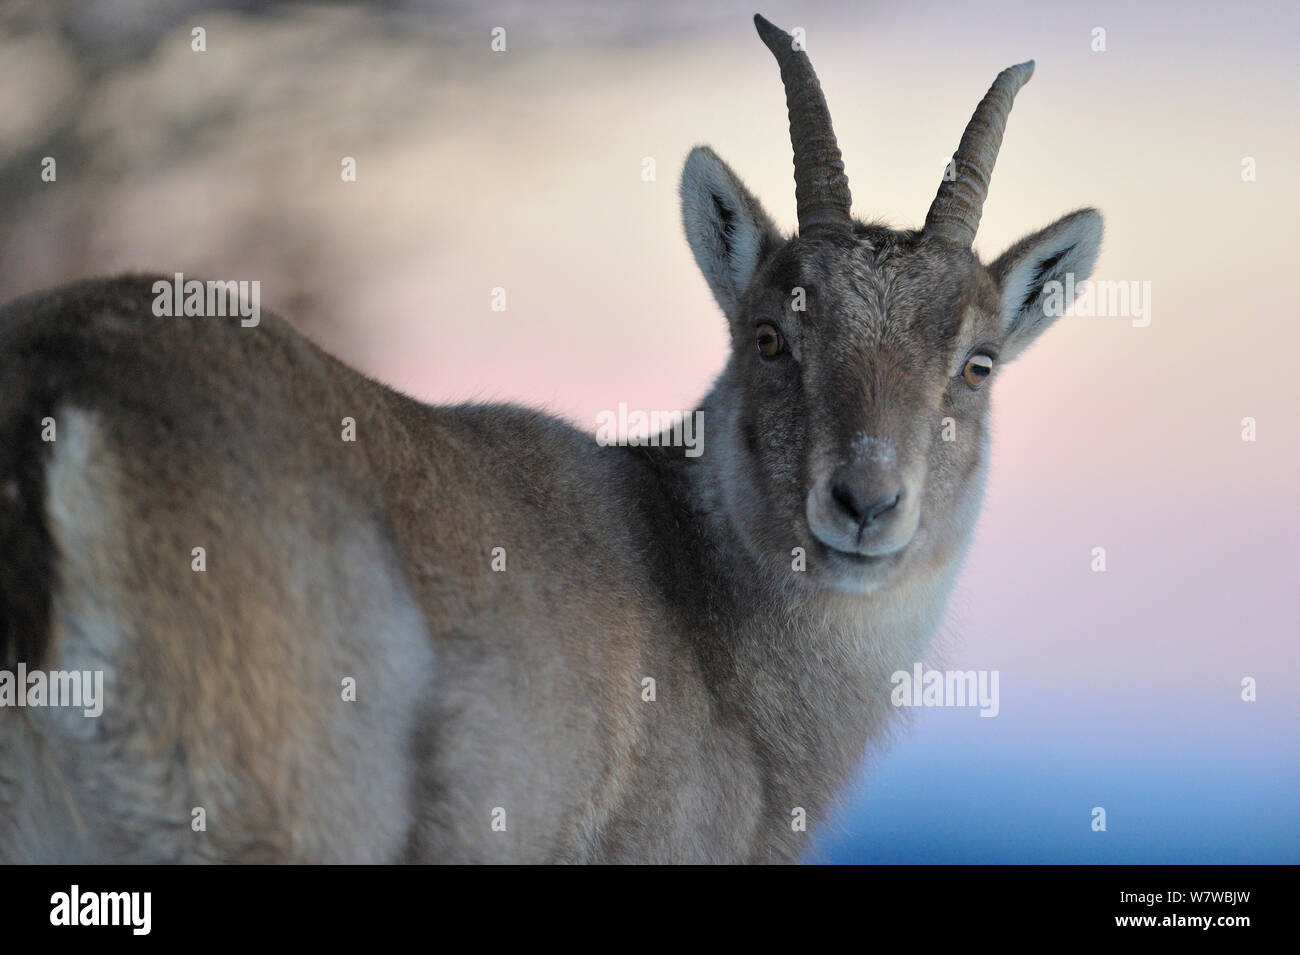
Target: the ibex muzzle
pixel 472 633
pixel 868 466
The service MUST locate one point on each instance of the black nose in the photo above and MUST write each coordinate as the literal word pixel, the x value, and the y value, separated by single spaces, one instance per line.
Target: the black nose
pixel 862 499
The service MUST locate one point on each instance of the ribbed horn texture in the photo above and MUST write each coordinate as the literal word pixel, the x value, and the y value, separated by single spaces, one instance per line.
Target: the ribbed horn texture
pixel 955 213
pixel 821 189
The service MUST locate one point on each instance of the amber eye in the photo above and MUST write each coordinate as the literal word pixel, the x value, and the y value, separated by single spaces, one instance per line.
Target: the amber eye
pixel 977 369
pixel 770 342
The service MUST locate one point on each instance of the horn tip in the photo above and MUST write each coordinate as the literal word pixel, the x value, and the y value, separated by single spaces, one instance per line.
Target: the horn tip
pixel 1023 71
pixel 769 31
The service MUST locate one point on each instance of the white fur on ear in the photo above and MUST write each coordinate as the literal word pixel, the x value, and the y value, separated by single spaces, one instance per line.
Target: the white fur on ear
pixel 725 225
pixel 1067 246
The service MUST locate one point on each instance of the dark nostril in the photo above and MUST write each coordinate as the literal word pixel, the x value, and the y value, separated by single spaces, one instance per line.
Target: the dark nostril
pixel 883 505
pixel 848 501
pixel 862 512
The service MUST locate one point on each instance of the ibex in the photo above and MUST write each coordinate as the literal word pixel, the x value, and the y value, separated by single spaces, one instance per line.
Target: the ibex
pixel 473 633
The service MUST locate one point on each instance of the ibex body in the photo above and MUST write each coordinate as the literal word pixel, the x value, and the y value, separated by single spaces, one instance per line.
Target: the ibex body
pixel 768 587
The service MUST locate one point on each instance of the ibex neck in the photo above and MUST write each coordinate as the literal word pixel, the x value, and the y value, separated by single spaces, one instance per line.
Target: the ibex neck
pixel 807 671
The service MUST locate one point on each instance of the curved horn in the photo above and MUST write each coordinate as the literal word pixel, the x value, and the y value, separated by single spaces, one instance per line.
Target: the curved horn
pixel 955 213
pixel 821 189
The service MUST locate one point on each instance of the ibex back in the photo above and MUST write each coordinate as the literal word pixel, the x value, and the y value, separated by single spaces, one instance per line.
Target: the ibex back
pixel 473 633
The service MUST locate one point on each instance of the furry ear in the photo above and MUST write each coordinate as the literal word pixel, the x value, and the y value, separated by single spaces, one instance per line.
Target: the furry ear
pixel 726 227
pixel 1023 273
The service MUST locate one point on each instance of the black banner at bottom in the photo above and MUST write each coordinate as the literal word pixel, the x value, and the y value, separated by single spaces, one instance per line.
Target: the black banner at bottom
pixel 332 905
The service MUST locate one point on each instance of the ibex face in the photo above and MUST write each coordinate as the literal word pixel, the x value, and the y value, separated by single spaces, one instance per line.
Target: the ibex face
pixel 858 387
pixel 846 419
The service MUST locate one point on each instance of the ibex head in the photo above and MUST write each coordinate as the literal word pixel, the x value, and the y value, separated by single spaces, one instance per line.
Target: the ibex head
pixel 857 392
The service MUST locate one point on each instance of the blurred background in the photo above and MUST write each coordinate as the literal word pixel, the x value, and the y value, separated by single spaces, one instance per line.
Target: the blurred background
pixel 529 169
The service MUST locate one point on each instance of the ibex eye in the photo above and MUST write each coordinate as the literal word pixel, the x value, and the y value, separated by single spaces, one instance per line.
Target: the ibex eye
pixel 770 342
pixel 977 369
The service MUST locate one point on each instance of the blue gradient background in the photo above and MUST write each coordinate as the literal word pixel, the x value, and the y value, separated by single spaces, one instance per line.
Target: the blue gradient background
pixel 1223 791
